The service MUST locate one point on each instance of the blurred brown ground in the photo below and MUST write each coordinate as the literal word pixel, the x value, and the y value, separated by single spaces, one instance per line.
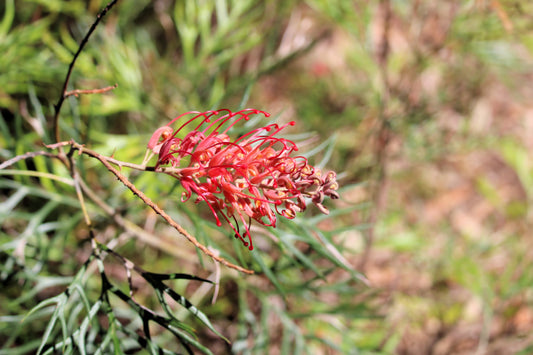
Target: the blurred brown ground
pixel 467 194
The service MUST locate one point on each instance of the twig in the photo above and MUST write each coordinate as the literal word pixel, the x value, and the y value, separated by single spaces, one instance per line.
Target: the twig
pixel 156 208
pixel 130 227
pixel 63 96
pixel 79 183
pixel 91 91
pixel 105 160
pixel 504 18
pixel 141 167
pixel 26 156
pixel 383 134
pixel 76 177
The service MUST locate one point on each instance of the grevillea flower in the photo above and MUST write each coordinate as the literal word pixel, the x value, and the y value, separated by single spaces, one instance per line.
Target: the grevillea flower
pixel 252 177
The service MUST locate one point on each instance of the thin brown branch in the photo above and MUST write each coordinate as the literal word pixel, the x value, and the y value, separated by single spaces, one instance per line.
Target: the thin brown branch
pixel 90 91
pixel 26 156
pixel 76 177
pixel 119 163
pixel 130 227
pixel 107 161
pixel 122 164
pixel 83 42
pixel 383 133
pixel 502 14
pixel 157 209
pixel 57 145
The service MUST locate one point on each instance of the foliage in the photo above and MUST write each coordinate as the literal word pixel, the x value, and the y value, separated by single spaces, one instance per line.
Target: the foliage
pixel 425 102
pixel 71 272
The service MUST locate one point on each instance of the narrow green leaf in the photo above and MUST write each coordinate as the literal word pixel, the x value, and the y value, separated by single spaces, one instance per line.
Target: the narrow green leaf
pixel 173 320
pixel 43 282
pixel 41 305
pixel 60 301
pixel 268 273
pixel 9 15
pixel 285 240
pixel 188 340
pixel 190 307
pixel 85 325
pixel 8 205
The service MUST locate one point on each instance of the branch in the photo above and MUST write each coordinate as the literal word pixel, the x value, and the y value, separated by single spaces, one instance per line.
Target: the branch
pixel 91 91
pixel 83 42
pixel 157 209
pixel 130 227
pixel 26 156
pixel 107 161
pixel 127 225
pixel 76 177
pixel 176 172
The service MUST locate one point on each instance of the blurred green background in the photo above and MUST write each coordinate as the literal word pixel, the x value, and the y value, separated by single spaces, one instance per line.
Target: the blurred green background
pixel 423 108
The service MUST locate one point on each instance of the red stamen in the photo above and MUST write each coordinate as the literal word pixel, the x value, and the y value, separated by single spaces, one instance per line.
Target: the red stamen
pixel 242 177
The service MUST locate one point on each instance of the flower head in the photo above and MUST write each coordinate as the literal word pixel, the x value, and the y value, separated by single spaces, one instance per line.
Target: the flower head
pixel 253 177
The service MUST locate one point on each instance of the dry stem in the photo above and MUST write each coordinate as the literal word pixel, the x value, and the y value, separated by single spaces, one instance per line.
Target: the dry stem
pixel 153 206
pixel 107 161
pixel 90 91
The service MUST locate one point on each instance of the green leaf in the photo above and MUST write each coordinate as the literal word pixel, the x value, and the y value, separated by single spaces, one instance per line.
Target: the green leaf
pixel 286 241
pixel 85 325
pixel 60 302
pixel 268 272
pixel 7 21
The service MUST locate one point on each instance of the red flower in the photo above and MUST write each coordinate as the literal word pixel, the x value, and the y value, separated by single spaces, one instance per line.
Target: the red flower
pixel 251 177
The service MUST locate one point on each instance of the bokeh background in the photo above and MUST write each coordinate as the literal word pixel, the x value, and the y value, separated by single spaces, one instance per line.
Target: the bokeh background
pixel 424 108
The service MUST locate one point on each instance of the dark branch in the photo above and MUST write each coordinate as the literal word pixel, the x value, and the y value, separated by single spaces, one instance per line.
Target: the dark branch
pixel 84 41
